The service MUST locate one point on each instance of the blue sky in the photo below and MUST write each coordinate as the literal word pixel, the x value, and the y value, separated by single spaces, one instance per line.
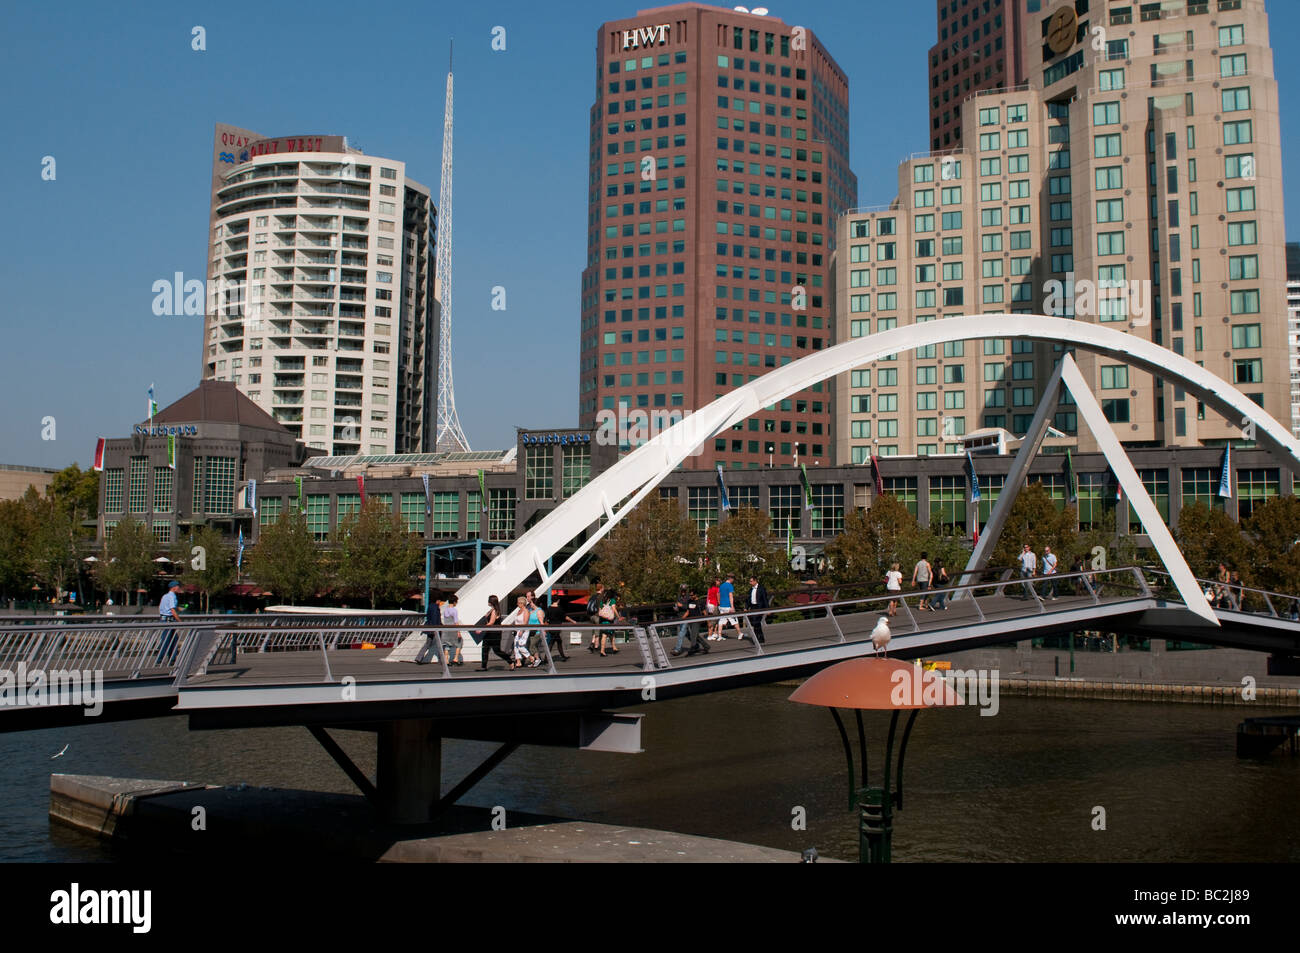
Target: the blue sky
pixel 117 96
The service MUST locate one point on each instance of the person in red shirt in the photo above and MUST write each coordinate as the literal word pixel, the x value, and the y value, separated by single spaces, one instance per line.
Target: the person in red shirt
pixel 711 607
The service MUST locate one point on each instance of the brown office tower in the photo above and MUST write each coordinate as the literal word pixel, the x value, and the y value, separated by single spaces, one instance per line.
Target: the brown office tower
pixel 719 155
pixel 979 48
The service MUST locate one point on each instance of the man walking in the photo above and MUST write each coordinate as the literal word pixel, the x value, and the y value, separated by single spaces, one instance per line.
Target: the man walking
pixel 685 607
pixel 1028 568
pixel 757 600
pixel 921 578
pixel 727 605
pixel 167 613
pixel 555 617
pixel 1049 569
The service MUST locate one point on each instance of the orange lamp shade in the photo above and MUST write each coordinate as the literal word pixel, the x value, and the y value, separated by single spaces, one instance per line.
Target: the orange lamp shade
pixel 876 684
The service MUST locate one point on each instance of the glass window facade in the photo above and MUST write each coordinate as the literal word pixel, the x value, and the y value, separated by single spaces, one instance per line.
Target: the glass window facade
pixel 575 468
pixel 446 514
pixel 413 511
pixel 948 505
pixel 501 513
pixel 785 503
pixel 538 477
pixel 269 509
pixel 318 515
pixel 702 506
pixel 113 490
pixel 827 516
pixel 162 489
pixel 139 492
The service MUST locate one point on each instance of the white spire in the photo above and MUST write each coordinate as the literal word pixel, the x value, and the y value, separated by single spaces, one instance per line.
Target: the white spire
pixel 450 437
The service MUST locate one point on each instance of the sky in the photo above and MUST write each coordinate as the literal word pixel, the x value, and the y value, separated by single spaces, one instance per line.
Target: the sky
pixel 118 97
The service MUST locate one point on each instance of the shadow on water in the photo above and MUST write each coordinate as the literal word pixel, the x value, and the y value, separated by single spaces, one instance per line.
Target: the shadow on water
pixel 1021 786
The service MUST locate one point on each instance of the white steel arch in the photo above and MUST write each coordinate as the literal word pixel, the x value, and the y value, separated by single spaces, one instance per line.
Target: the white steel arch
pixel 638 473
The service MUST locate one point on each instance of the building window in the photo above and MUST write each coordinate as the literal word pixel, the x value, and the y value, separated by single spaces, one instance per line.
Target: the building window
pixel 162 489
pixel 113 490
pixel 785 503
pixel 268 510
pixel 318 515
pixel 139 487
pixel 1201 484
pixel 501 513
pixel 413 511
pixel 702 506
pixel 902 489
pixel 538 476
pixel 162 531
pixel 214 484
pixel 948 505
pixel 1253 488
pixel 743 497
pixel 827 516
pixel 1157 486
pixel 576 468
pixel 473 513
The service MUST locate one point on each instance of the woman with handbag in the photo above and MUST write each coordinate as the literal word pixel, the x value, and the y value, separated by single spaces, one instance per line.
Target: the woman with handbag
pixel 608 612
pixel 594 603
pixel 490 636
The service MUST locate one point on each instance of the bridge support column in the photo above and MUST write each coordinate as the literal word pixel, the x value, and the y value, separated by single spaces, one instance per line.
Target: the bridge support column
pixel 408 770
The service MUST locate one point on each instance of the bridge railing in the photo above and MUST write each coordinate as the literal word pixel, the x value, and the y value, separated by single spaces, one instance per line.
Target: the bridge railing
pixel 332 649
pixel 1235 597
pixel 137 650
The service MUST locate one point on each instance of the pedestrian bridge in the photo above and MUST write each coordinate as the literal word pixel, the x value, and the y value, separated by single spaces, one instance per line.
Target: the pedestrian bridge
pixel 245 671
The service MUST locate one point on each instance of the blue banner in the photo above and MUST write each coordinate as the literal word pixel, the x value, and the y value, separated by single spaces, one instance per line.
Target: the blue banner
pixel 1225 474
pixel 974 479
pixel 722 491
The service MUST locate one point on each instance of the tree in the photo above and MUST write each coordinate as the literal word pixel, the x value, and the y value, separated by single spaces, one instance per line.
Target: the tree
pixel 76 492
pixel 743 544
pixel 377 557
pixel 887 533
pixel 1035 519
pixel 1274 531
pixel 51 541
pixel 286 560
pixel 16 524
pixel 645 552
pixel 128 558
pixel 1208 536
pixel 215 557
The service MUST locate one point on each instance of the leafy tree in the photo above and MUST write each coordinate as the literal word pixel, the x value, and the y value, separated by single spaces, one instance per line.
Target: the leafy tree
pixel 218 563
pixel 743 544
pixel 51 541
pixel 1274 531
pixel 76 492
pixel 884 534
pixel 377 557
pixel 1208 536
pixel 128 558
pixel 1034 519
pixel 652 552
pixel 16 524
pixel 286 560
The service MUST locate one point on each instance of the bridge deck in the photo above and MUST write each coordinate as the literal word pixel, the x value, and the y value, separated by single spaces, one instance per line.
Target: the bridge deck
pixel 302 667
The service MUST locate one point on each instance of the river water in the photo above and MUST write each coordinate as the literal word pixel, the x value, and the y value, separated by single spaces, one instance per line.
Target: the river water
pixel 1024 785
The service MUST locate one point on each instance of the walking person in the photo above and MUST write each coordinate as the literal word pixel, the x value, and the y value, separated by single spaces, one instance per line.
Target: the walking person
pixel 1049 571
pixel 594 601
pixel 519 617
pixel 556 617
pixel 1028 569
pixel 608 612
pixel 1223 577
pixel 167 612
pixel 939 580
pixel 921 579
pixel 452 641
pixel 685 607
pixel 492 633
pixel 727 606
pixel 711 607
pixel 757 600
pixel 894 584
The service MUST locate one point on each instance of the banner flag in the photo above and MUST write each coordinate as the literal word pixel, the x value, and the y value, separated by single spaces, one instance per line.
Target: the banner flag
pixel 99 454
pixel 239 554
pixel 171 450
pixel 974 479
pixel 807 487
pixel 153 405
pixel 1225 473
pixel 722 491
pixel 298 481
pixel 482 491
pixel 880 480
pixel 1071 481
pixel 427 507
pixel 252 496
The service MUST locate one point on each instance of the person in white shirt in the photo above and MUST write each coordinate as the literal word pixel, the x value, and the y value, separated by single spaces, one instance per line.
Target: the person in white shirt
pixel 452 641
pixel 1028 567
pixel 893 583
pixel 1049 569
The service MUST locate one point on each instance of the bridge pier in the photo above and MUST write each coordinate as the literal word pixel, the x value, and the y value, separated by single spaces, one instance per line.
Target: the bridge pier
pixel 408 772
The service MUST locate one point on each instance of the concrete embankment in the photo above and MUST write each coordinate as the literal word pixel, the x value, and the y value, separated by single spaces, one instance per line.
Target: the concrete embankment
pixel 148 817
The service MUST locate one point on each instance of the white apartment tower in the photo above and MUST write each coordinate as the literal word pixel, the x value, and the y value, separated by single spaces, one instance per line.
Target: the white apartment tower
pixel 321 303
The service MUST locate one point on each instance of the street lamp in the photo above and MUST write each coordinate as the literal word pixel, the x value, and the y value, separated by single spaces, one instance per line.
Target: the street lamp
pixel 876 684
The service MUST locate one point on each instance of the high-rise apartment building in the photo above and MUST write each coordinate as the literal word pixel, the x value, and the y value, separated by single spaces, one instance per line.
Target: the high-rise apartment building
pixel 978 48
pixel 1293 329
pixel 321 302
pixel 1135 182
pixel 719 162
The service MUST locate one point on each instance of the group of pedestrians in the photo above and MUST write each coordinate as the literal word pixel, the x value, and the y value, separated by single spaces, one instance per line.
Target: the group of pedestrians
pixel 927 577
pixel 1226 591
pixel 720 606
pixel 1029 568
pixel 516 637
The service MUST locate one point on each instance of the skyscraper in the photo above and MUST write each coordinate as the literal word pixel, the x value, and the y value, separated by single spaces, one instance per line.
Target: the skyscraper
pixel 719 162
pixel 1135 182
pixel 978 48
pixel 320 304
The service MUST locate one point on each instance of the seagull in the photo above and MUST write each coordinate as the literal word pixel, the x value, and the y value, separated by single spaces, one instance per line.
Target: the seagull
pixel 880 636
pixel 61 753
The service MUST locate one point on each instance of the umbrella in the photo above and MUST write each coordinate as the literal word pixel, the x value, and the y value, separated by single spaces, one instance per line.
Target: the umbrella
pixel 90 559
pixel 162 559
